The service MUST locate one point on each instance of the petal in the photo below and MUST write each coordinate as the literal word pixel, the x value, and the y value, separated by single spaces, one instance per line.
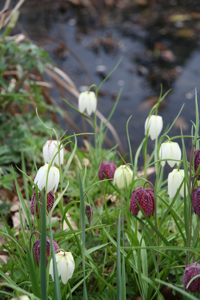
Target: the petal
pixel 176 152
pixel 184 186
pixel 46 152
pixel 129 176
pixel 63 266
pixel 61 155
pixel 93 102
pixel 146 125
pixel 51 269
pixel 81 101
pixel 153 125
pixel 53 149
pixel 168 154
pixel 156 125
pixel 162 154
pixel 66 267
pixel 41 176
pixel 152 128
pixel 56 178
pixel 89 107
pixel 175 179
pixel 123 176
pixel 173 184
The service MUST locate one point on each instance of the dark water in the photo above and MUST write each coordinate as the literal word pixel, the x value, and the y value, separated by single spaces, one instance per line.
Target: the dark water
pixel 154 51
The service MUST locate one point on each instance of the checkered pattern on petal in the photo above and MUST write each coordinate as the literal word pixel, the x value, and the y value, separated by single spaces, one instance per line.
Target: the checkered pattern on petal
pixel 33 205
pixel 145 198
pixel 36 249
pixel 196 161
pixel 107 168
pixel 190 272
pixel 50 200
pixel 196 200
pixel 55 245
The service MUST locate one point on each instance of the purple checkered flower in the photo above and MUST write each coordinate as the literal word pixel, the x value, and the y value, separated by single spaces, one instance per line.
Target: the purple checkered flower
pixel 36 249
pixel 34 206
pixel 107 168
pixel 196 161
pixel 145 198
pixel 196 200
pixel 190 272
pixel 89 211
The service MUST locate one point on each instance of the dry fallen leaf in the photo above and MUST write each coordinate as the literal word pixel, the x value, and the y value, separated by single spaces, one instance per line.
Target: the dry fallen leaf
pixel 3 256
pixel 72 223
pixel 149 171
pixel 181 123
pixel 85 162
pixel 14 209
pixel 112 198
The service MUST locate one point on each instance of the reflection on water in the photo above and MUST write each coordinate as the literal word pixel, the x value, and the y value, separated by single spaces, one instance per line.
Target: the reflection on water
pixel 159 45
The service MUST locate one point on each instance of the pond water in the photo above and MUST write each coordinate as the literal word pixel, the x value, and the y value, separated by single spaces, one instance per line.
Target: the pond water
pixel 158 44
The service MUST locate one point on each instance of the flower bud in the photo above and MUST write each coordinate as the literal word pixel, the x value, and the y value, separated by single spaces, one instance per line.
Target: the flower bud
pixel 65 265
pixel 190 272
pixel 34 206
pixel 153 125
pixel 36 249
pixel 196 200
pixel 145 198
pixel 123 176
pixel 197 161
pixel 170 150
pixel 89 211
pixel 107 168
pixel 50 148
pixel 87 101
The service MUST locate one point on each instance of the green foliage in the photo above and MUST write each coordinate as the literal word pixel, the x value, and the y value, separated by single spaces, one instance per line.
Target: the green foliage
pixel 25 54
pixel 119 256
pixel 22 134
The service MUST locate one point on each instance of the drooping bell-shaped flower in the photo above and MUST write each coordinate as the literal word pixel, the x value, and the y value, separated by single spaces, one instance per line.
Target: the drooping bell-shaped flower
pixel 65 265
pixel 34 206
pixel 53 178
pixel 175 179
pixel 123 176
pixel 196 200
pixel 36 249
pixel 145 198
pixel 87 101
pixel 89 211
pixel 196 161
pixel 50 148
pixel 23 297
pixel 107 168
pixel 170 150
pixel 153 125
pixel 190 272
